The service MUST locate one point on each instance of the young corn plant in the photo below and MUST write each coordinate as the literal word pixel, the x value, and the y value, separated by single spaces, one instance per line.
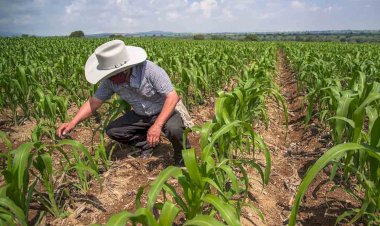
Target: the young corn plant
pixel 352 102
pixel 11 213
pixel 51 200
pixel 83 163
pixel 196 183
pixel 370 204
pixel 17 192
pixel 143 216
pixel 50 106
pixel 116 107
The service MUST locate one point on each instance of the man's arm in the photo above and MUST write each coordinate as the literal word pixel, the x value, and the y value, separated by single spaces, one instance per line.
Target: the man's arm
pixel 84 112
pixel 154 131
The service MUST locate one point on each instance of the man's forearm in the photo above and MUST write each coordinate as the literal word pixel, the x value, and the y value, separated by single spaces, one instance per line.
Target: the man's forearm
pixel 168 109
pixel 87 110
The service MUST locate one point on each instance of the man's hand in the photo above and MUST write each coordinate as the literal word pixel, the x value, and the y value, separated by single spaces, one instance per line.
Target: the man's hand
pixel 154 132
pixel 84 112
pixel 64 129
pixel 153 136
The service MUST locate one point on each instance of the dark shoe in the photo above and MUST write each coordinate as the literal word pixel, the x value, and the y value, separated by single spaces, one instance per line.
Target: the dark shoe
pixel 178 161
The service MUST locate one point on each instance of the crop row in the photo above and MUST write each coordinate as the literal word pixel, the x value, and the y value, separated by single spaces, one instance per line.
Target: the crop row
pixel 42 78
pixel 342 85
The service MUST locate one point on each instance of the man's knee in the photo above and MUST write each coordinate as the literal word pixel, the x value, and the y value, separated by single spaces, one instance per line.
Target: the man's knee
pixel 111 132
pixel 174 131
pixel 116 133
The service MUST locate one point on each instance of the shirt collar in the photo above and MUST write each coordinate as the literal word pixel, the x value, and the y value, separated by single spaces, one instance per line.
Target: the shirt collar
pixel 137 75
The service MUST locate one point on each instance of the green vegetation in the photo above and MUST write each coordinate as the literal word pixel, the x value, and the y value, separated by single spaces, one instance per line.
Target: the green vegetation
pixel 343 88
pixel 42 78
pixel 250 37
pixel 77 34
pixel 199 37
pixel 42 85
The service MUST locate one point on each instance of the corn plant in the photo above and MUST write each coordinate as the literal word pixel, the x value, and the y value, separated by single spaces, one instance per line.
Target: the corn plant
pixel 17 190
pixel 348 93
pixel 50 106
pixel 84 166
pixel 370 207
pixel 53 201
pixel 11 214
pixel 196 187
pixel 145 217
pixel 10 211
pixel 116 107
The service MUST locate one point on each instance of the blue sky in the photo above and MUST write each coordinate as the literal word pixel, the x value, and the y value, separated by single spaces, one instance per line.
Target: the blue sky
pixel 60 17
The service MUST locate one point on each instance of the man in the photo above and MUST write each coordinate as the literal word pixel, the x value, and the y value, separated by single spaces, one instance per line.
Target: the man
pixel 145 86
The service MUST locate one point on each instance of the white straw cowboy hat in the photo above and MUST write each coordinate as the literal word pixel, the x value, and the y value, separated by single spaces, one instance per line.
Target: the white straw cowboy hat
pixel 111 58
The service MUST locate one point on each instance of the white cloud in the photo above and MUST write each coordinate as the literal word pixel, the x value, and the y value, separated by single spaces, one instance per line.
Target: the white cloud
pixel 328 9
pixel 315 8
pixel 62 17
pixel 172 15
pixel 39 2
pixel 75 7
pixel 297 4
pixel 206 6
pixel 228 14
pixel 23 20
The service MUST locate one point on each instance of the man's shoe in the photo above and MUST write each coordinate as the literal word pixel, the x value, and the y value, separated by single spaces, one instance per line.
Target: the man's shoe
pixel 178 161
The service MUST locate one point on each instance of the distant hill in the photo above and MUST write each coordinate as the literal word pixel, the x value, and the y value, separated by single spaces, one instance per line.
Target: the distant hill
pixel 139 34
pixel 9 34
pixel 263 36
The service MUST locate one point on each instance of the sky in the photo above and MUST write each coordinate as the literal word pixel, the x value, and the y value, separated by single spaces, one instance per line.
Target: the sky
pixel 60 17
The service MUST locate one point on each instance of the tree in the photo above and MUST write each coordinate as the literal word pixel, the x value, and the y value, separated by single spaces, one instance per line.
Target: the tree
pixel 24 35
pixel 116 36
pixel 77 34
pixel 218 37
pixel 199 37
pixel 250 37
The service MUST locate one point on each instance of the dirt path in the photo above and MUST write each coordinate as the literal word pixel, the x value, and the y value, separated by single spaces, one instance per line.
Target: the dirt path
pixel 291 158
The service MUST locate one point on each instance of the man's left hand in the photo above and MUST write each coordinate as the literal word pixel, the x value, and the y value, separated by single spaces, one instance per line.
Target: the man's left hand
pixel 153 136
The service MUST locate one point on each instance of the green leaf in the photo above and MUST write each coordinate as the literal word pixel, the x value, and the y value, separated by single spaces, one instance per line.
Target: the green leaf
pixel 17 211
pixel 203 220
pixel 334 153
pixel 349 121
pixel 168 214
pixel 375 133
pixel 192 166
pixel 223 130
pixel 7 142
pixel 21 164
pixel 227 211
pixel 157 185
pixel 119 219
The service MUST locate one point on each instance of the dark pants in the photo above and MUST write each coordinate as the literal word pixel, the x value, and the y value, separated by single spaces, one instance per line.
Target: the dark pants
pixel 132 129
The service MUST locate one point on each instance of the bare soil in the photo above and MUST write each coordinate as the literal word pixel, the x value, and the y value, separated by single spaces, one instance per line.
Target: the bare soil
pixel 291 157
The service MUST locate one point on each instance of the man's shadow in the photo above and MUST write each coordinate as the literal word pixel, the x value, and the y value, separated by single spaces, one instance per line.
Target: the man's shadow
pixel 160 155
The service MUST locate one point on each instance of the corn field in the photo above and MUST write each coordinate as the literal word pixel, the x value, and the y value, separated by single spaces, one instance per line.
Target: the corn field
pixel 42 80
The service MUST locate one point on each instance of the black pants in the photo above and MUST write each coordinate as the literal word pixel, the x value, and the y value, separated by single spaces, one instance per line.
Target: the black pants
pixel 132 129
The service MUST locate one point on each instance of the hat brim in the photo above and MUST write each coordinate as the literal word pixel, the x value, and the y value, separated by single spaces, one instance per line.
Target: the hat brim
pixel 94 74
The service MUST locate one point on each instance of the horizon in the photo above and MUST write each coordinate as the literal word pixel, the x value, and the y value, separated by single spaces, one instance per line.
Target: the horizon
pixel 59 17
pixel 193 33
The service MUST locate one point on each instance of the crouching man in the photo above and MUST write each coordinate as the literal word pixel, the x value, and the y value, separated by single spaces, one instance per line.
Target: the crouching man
pixel 146 87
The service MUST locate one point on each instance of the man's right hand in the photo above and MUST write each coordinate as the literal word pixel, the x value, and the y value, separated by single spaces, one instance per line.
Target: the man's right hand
pixel 84 112
pixel 64 129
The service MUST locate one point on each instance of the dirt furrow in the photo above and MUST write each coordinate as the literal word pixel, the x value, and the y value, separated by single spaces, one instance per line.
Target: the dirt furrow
pixel 291 157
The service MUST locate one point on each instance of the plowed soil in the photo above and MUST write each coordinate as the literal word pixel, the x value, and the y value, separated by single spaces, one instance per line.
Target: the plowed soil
pixel 293 152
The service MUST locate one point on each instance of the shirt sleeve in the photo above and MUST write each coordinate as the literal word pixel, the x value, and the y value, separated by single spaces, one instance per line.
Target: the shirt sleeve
pixel 104 91
pixel 161 81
